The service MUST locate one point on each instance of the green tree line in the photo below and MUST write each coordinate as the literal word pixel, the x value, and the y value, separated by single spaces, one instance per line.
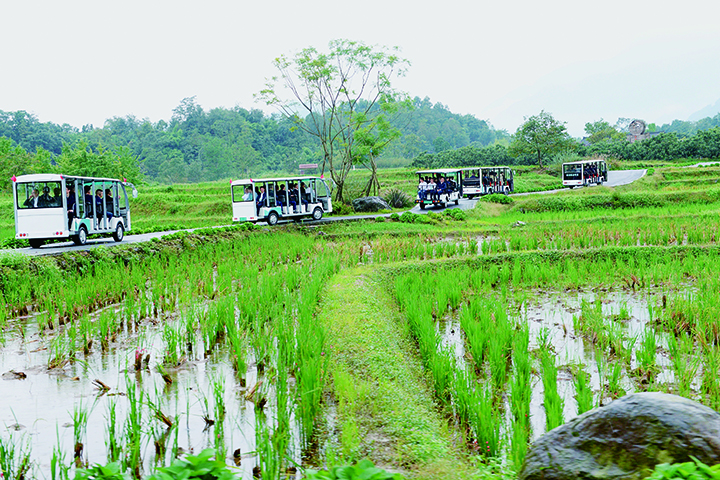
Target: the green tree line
pixel 202 145
pixel 665 146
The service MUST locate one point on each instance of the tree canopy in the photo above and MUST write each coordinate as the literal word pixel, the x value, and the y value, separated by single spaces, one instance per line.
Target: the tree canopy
pixel 337 94
pixel 542 137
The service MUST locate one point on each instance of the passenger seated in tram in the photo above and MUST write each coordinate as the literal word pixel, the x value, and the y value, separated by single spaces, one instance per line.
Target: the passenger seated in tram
pixel 45 199
pixel 451 185
pixel 282 196
pixel 309 192
pixel 57 198
pixel 99 204
pixel 300 198
pixel 422 189
pixel 248 195
pixel 486 182
pixel 109 203
pixel 33 200
pixel 441 187
pixel 88 201
pixel 292 197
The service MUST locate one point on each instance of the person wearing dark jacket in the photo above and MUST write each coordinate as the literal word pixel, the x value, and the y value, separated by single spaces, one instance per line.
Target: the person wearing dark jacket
pixel 71 205
pixel 260 200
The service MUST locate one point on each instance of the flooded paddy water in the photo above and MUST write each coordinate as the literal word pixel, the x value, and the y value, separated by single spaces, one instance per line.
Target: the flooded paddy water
pixel 553 322
pixel 195 404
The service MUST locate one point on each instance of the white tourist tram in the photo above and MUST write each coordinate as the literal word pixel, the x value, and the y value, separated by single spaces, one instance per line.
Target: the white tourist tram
pixel 273 199
pixel 52 206
pixel 586 172
pixel 439 187
pixel 486 180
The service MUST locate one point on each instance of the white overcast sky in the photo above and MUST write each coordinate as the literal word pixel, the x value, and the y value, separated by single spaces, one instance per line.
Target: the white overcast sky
pixel 82 62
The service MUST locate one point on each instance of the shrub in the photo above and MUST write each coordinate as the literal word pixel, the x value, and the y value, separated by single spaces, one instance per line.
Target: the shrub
pixel 408 217
pixel 395 217
pixel 396 198
pixel 497 198
pixel 456 214
pixel 342 209
pixel 434 216
pixel 379 219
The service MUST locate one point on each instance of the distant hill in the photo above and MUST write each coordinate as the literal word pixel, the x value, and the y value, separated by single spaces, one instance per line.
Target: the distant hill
pixel 709 111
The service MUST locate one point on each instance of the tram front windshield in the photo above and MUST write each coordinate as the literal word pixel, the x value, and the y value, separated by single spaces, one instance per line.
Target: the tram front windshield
pixel 572 172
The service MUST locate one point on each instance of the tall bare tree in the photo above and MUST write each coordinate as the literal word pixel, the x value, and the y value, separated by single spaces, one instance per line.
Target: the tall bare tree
pixel 336 94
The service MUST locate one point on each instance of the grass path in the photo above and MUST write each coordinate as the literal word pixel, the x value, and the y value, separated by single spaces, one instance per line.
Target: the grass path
pixel 384 407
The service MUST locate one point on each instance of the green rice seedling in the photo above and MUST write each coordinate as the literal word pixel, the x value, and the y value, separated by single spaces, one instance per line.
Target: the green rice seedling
pixel 442 366
pixel 552 401
pixel 114 449
pixel 218 388
pixel 485 421
pixel 15 458
pixel 520 396
pixel 498 356
pixel 80 417
pixel 59 470
pixel 59 355
pixel 711 378
pixel 583 392
pixel 477 332
pixel 614 380
pixel 601 364
pixel 173 344
pixel 646 354
pixel 133 429
pixel 270 459
pixel 238 353
pixel 685 363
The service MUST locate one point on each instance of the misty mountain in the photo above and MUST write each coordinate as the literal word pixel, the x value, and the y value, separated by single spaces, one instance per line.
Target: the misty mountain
pixel 709 111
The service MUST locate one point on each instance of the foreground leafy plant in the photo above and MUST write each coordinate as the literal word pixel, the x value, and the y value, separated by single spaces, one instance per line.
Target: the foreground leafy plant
pixel 111 471
pixel 695 470
pixel 202 466
pixel 363 470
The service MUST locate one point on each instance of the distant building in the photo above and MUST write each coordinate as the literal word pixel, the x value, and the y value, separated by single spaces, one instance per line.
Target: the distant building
pixel 637 131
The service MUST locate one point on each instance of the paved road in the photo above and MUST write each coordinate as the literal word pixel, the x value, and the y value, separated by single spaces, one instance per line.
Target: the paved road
pixel 615 178
pixel 623 177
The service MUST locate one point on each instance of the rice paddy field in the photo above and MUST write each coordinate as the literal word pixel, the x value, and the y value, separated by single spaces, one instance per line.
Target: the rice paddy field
pixel 438 347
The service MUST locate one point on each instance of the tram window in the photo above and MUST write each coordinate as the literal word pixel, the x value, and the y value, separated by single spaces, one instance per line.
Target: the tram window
pixel 39 195
pixel 321 190
pixel 243 193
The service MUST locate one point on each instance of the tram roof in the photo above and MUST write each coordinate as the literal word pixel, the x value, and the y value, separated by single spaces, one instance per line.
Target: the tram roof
pixel 440 170
pixel 580 162
pixel 493 167
pixel 56 177
pixel 278 179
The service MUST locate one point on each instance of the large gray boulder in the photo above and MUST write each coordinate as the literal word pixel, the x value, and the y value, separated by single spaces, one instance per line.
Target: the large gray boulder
pixel 626 438
pixel 370 204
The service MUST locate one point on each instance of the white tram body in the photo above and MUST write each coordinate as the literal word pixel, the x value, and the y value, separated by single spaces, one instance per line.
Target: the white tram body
pixel 583 173
pixel 274 199
pixel 52 206
pixel 429 194
pixel 479 181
